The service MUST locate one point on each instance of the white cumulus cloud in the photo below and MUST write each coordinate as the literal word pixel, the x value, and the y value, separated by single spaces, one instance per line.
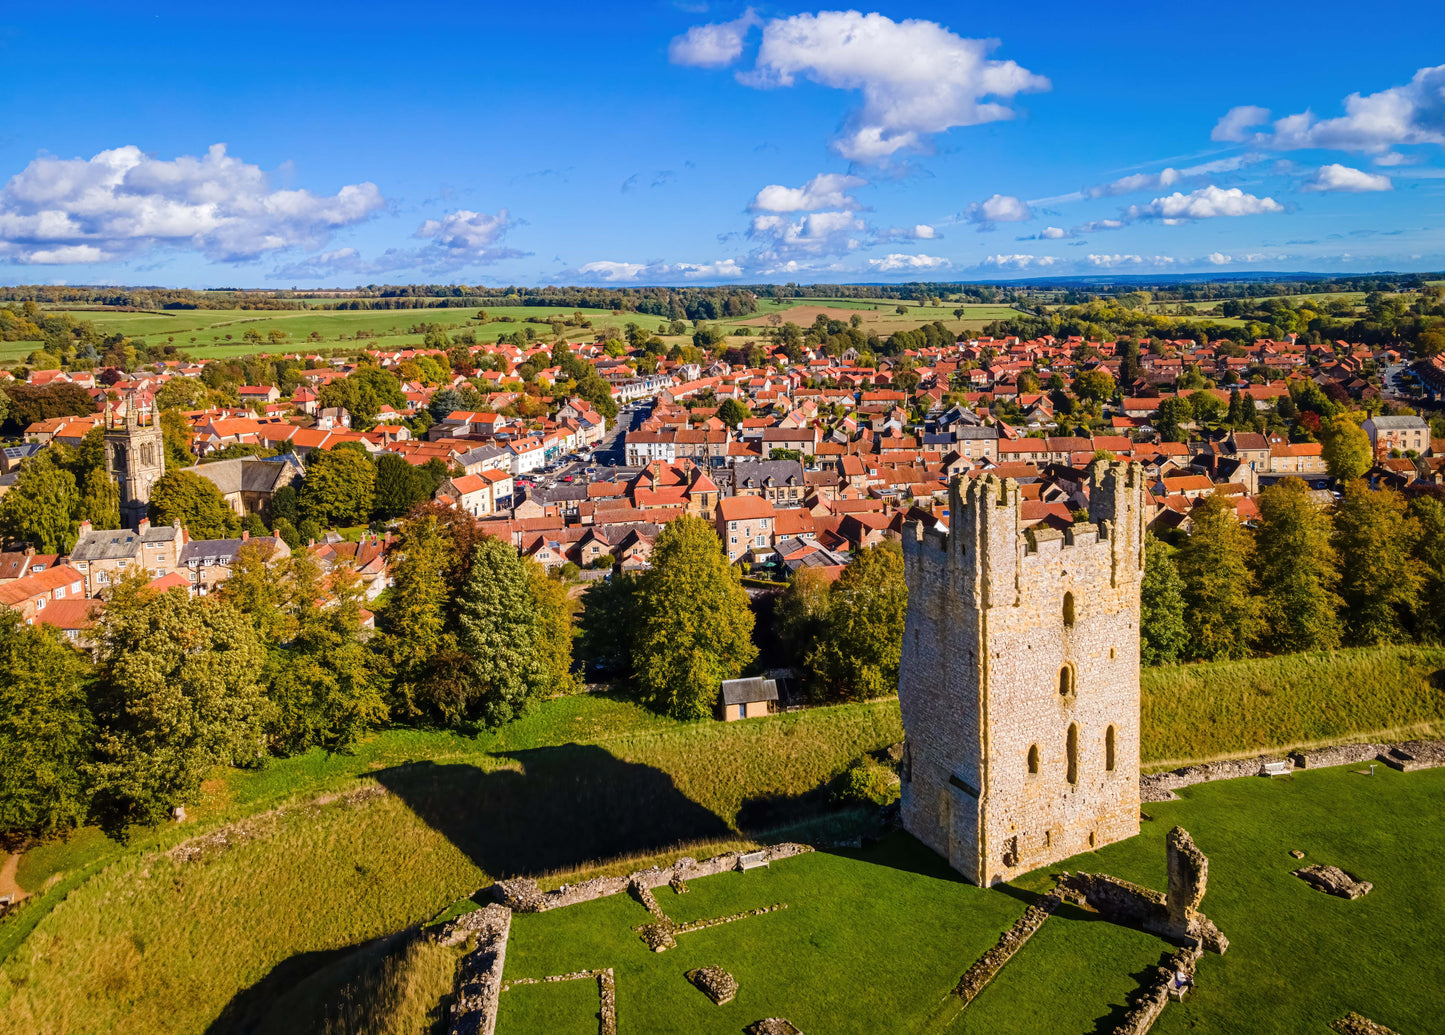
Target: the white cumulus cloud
pixel 123 201
pixel 1413 113
pixel 917 77
pixel 816 233
pixel 1336 177
pixel 1205 203
pixel 894 262
pixel 1053 233
pixel 1219 258
pixel 712 46
pixel 1018 262
pixel 457 240
pixel 826 190
pixel 1001 208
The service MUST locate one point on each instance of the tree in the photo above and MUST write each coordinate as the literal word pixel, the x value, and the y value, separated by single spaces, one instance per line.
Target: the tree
pixel 801 610
pixel 1174 413
pixel 415 618
pixel 339 487
pixel 195 502
pixel 178 694
pixel 732 412
pixel 1163 634
pixel 693 626
pixel 1429 515
pixel 1346 448
pixel 861 640
pixel 1380 582
pixel 498 630
pixel 364 392
pixel 1223 612
pixel 399 486
pixel 1297 569
pixel 553 607
pixel 38 508
pixel 256 589
pixel 1095 385
pixel 46 729
pixel 608 624
pixel 325 684
pixel 176 436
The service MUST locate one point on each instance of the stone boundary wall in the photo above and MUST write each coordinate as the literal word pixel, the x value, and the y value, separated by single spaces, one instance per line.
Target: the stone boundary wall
pixel 1407 756
pixel 479 975
pixel 987 966
pixel 1151 998
pixel 1134 906
pixel 523 896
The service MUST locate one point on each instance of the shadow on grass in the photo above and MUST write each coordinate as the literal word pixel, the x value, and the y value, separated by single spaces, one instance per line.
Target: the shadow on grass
pixel 562 807
pixel 249 1011
pixel 1109 1023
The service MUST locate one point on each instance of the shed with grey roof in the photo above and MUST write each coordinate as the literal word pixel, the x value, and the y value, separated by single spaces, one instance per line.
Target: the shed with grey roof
pixel 748 698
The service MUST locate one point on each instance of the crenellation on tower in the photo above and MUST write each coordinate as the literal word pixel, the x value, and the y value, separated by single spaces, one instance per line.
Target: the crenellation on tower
pixel 1019 682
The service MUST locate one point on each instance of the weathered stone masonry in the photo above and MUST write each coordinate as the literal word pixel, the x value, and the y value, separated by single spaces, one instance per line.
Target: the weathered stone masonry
pixel 1019 681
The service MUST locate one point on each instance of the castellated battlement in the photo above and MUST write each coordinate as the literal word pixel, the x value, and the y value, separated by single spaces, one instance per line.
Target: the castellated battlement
pixel 1019 682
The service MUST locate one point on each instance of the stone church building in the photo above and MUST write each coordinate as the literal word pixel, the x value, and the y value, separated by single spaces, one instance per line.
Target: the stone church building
pixel 135 456
pixel 1019 681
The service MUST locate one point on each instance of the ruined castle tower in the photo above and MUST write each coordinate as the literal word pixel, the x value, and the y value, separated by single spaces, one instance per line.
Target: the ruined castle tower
pixel 135 456
pixel 1019 682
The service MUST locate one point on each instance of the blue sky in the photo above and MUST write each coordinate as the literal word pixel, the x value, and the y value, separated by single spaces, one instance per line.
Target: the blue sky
pixel 702 142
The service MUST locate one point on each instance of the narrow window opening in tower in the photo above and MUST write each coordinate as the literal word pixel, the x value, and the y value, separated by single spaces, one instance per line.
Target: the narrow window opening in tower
pixel 1109 749
pixel 1033 760
pixel 1068 610
pixel 1073 752
pixel 1066 680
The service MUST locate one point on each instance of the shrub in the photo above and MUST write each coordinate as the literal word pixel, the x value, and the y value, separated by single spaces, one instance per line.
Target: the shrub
pixel 866 782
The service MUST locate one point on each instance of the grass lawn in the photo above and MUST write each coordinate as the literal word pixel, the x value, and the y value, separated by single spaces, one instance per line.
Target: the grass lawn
pixel 873 940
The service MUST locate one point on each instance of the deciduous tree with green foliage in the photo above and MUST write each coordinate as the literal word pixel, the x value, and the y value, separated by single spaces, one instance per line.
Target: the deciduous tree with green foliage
pixel 46 730
pixel 1298 570
pixel 39 507
pixel 195 502
pixel 553 608
pixel 1380 580
pixel 1163 634
pixel 415 618
pixel 498 630
pixel 856 655
pixel 1346 448
pixel 1221 607
pixel 693 624
pixel 1429 515
pixel 325 685
pixel 178 694
pixel 339 488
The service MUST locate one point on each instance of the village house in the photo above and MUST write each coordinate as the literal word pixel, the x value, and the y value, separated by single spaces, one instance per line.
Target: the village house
pixel 743 524
pixel 1402 433
pixel 102 556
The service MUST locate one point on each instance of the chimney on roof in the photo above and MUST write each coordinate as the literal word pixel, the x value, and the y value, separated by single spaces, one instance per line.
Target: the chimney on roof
pixel 85 529
pixel 143 526
pixel 245 535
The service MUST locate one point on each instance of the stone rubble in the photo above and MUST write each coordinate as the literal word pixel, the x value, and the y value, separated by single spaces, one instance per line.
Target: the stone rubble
pixel 772 1026
pixel 1333 881
pixel 1151 998
pixel 1354 1024
pixel 715 983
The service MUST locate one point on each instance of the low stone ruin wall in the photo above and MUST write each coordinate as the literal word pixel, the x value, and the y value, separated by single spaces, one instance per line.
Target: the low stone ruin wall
pixel 523 896
pixel 1340 754
pixel 479 975
pixel 1153 996
pixel 987 966
pixel 1411 755
pixel 606 993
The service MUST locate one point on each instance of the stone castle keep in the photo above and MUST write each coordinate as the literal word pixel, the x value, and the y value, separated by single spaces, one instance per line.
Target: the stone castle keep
pixel 1019 681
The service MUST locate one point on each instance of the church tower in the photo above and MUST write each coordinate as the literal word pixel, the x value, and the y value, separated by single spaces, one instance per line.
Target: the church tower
pixel 1019 682
pixel 135 456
